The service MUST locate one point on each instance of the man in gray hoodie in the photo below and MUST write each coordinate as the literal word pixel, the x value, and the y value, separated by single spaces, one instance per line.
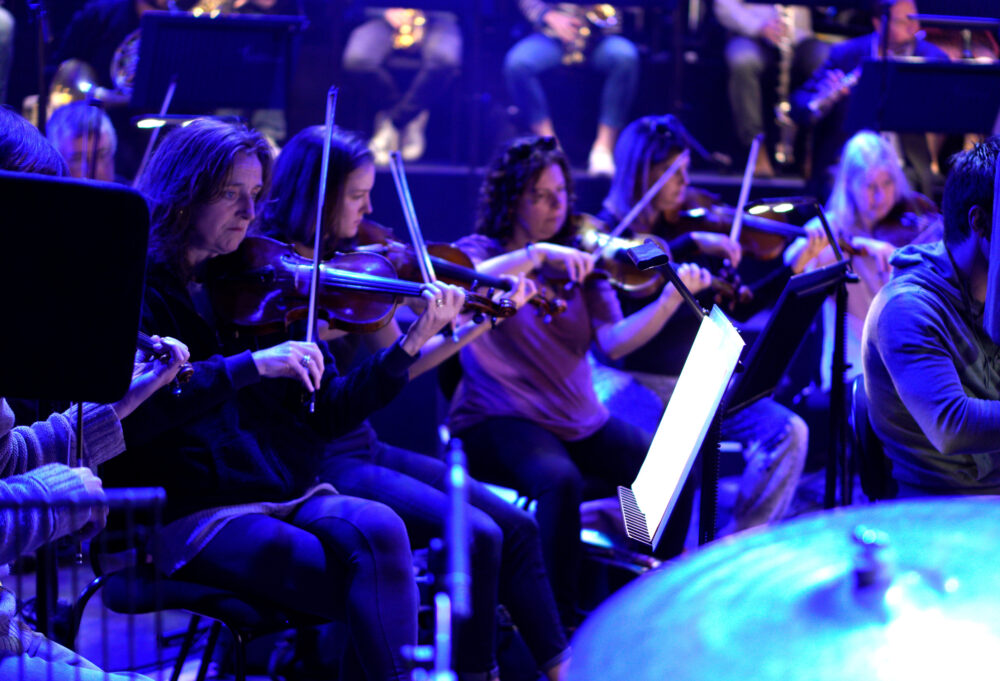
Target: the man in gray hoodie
pixel 932 372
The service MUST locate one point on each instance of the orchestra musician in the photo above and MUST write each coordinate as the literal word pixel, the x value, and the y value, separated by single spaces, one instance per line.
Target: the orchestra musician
pixel 873 211
pixel 236 449
pixel 525 407
pixel 774 439
pixel 506 556
pixel 558 30
pixel 930 345
pixel 763 38
pixel 85 137
pixel 401 122
pixel 827 83
pixel 30 459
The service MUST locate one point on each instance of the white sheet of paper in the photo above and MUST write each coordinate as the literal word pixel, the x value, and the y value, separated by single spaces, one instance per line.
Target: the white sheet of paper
pixel 685 422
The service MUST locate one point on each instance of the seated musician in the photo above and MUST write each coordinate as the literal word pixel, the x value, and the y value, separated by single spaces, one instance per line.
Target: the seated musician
pixel 85 137
pixel 930 357
pixel 29 456
pixel 506 556
pixel 872 211
pixel 822 100
pixel 774 439
pixel 559 37
pixel 526 407
pixel 236 450
pixel 401 122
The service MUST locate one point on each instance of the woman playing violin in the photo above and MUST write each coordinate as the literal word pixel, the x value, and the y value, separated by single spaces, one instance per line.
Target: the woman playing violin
pixel 506 555
pixel 873 211
pixel 236 449
pixel 525 407
pixel 774 439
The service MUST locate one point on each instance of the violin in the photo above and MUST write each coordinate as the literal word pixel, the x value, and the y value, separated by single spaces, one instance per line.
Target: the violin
pixel 451 265
pixel 263 286
pixel 592 236
pixel 763 238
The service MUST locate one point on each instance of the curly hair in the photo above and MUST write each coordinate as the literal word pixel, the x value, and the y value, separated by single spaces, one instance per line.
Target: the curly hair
pixel 643 143
pixel 511 174
pixel 190 168
pixel 289 211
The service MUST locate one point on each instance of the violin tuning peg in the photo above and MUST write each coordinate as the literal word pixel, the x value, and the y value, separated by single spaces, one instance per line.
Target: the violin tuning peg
pixel 479 318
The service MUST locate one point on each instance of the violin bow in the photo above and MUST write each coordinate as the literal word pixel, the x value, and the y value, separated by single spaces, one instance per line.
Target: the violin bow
pixel 641 204
pixel 734 232
pixel 331 107
pixel 164 107
pixel 420 253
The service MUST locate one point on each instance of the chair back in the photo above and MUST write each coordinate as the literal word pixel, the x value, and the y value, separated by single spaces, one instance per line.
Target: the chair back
pixel 874 467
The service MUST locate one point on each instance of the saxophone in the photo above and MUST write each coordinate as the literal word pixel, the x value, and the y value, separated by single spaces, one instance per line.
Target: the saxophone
pixel 601 16
pixel 784 152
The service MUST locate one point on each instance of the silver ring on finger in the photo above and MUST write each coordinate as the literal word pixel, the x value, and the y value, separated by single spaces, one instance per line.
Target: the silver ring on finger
pixel 305 361
pixel 439 302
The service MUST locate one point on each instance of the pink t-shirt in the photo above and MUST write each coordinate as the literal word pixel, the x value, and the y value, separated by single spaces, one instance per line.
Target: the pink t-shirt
pixel 530 369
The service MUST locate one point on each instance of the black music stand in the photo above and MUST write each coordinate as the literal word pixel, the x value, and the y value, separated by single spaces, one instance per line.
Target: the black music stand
pixel 892 95
pixel 242 61
pixel 72 280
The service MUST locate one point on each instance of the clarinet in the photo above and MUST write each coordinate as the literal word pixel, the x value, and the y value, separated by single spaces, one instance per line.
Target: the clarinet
pixel 784 152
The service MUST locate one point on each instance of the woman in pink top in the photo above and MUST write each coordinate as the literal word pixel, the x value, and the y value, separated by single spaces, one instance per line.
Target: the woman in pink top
pixel 525 407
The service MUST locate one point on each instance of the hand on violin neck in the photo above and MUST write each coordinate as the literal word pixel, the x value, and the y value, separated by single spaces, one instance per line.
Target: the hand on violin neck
pixel 149 374
pixel 522 291
pixel 801 252
pixel 718 245
pixel 575 263
pixel 292 359
pixel 695 278
pixel 442 303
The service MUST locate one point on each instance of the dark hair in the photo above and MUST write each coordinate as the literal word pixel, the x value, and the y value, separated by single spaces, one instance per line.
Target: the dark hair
pixel 509 175
pixel 24 149
pixel 289 211
pixel 190 168
pixel 970 183
pixel 643 143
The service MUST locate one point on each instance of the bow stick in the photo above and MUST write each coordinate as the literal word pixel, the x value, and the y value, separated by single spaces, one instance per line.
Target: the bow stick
pixel 741 202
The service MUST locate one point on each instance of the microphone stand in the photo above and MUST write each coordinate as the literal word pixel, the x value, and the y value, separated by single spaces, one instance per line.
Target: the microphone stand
pixel 454 602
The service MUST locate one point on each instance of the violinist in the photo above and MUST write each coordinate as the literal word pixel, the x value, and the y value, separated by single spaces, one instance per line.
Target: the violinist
pixel 525 406
pixel 506 555
pixel 236 449
pixel 774 439
pixel 873 211
pixel 32 456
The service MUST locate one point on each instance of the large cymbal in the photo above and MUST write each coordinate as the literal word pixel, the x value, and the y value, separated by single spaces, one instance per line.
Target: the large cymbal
pixel 785 602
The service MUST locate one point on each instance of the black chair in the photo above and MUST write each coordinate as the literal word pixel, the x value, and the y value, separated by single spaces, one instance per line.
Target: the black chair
pixel 140 590
pixel 873 466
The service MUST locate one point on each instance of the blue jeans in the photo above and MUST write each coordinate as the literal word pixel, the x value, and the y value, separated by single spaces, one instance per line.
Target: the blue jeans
pixel 614 56
pixel 338 558
pixel 370 44
pixel 506 552
pixel 521 454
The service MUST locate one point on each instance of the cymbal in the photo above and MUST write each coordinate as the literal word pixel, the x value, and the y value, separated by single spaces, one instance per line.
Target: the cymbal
pixel 898 590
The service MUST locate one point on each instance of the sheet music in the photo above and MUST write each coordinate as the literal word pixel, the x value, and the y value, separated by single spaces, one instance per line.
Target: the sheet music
pixel 703 381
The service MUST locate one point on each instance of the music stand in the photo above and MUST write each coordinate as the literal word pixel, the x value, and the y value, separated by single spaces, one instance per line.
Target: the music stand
pixel 73 281
pixel 242 61
pixel 891 95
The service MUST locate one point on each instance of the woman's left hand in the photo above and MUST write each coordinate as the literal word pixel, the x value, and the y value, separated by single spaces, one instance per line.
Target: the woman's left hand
pixel 803 251
pixel 442 303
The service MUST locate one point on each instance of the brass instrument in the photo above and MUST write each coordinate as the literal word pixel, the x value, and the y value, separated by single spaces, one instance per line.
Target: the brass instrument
pixel 410 30
pixel 600 16
pixel 784 152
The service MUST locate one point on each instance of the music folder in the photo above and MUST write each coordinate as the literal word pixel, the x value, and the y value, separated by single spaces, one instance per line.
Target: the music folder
pixel 710 364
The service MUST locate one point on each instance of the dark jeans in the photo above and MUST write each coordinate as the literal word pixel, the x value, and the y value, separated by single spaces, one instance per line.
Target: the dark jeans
pixel 748 59
pixel 614 56
pixel 370 44
pixel 339 558
pixel 504 544
pixel 520 454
